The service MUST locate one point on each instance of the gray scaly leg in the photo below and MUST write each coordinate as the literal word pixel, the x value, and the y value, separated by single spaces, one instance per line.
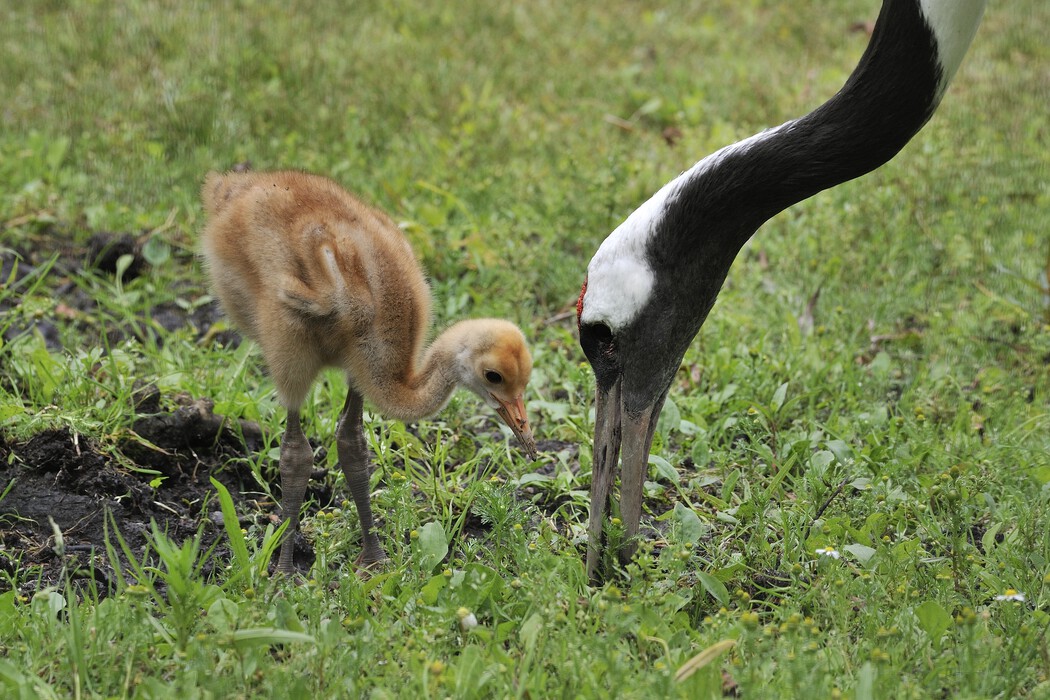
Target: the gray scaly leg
pixel 353 459
pixel 297 461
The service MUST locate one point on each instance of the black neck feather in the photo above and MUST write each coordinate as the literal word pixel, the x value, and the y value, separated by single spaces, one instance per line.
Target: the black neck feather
pixel 887 99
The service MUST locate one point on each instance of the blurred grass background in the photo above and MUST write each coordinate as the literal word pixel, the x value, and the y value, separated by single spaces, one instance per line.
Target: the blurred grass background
pixel 509 139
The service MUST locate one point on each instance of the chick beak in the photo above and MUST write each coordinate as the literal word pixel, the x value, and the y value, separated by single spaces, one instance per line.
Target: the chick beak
pixel 513 414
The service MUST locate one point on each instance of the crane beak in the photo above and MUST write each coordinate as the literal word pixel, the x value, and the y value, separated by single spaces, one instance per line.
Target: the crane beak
pixel 513 414
pixel 618 430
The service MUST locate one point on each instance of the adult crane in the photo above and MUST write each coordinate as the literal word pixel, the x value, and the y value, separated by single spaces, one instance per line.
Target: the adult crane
pixel 652 282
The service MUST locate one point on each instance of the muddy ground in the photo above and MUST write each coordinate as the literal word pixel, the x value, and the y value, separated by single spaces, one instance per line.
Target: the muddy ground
pixel 60 480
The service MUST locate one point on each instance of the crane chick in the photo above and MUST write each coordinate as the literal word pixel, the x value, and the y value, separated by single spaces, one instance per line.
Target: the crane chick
pixel 319 279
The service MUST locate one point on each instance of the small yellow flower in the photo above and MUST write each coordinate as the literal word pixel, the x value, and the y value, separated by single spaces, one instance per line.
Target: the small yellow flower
pixel 878 655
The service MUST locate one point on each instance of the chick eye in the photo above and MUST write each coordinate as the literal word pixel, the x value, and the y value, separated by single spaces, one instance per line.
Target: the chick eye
pixel 493 377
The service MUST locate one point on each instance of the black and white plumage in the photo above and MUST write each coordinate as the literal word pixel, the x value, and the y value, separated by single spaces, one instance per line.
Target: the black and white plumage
pixel 652 282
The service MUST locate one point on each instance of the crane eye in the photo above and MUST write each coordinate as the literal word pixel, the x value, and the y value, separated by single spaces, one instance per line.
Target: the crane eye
pixel 493 377
pixel 598 344
pixel 600 332
pixel 596 337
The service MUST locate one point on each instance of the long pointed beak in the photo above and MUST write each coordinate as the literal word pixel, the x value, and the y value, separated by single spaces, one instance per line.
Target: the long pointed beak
pixel 513 414
pixel 616 431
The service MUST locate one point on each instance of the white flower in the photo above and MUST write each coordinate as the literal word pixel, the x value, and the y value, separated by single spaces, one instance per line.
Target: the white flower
pixel 830 552
pixel 1011 594
pixel 467 620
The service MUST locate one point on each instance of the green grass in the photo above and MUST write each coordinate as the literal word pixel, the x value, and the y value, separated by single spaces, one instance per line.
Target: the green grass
pixel 904 423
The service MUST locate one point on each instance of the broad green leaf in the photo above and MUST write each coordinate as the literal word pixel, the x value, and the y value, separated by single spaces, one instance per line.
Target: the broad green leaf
pixel 729 485
pixel 670 418
pixel 819 462
pixel 156 251
pixel 651 106
pixel 988 541
pixel 778 397
pixel 840 449
pixel 700 451
pixel 433 545
pixel 48 603
pixel 689 524
pixel 530 631
pixel 866 682
pixel 430 591
pixel 861 483
pixel 861 552
pixel 475 585
pixel 285 617
pixel 123 263
pixel 933 619
pixel 716 588
pixel 331 633
pixel 471 672
pixel 224 614
pixel 531 478
pixel 664 469
pixel 265 636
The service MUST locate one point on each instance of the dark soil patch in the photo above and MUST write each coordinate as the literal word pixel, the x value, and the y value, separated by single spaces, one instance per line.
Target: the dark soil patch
pixel 65 482
pixel 60 263
pixel 61 480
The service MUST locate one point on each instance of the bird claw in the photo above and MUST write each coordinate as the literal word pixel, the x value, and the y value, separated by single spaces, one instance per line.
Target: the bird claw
pixel 369 560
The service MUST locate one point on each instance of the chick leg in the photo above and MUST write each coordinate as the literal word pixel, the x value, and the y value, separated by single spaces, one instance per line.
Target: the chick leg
pixel 296 464
pixel 353 459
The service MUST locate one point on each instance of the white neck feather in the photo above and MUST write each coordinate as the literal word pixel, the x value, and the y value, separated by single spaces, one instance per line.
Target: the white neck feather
pixel 954 23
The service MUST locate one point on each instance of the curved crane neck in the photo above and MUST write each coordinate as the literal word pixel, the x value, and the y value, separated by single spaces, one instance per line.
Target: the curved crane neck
pixel 658 274
pixel 897 85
